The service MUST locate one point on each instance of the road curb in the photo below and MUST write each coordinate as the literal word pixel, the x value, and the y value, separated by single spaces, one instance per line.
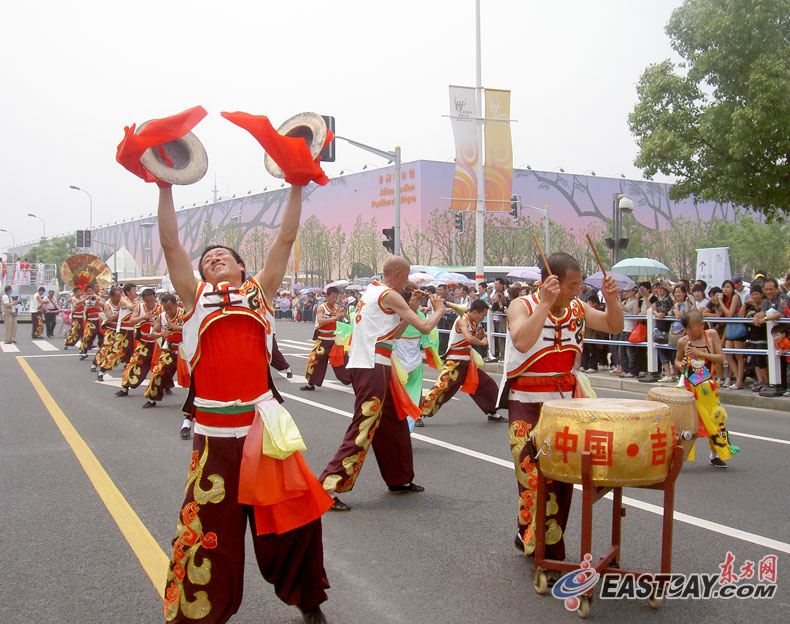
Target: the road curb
pixel 742 398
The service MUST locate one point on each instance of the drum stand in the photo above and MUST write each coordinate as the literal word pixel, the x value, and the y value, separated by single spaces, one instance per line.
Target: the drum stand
pixel 609 561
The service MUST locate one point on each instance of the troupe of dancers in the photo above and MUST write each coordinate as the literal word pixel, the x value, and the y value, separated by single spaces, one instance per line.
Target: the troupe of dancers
pixel 246 465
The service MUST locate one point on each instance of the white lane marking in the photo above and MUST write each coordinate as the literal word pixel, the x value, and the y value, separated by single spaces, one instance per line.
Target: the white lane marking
pixel 293 344
pixel 757 437
pixel 9 348
pixel 715 527
pixel 27 357
pixel 45 346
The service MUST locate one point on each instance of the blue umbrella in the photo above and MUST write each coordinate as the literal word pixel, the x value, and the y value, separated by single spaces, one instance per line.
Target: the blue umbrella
pixel 640 266
pixel 596 280
pixel 449 276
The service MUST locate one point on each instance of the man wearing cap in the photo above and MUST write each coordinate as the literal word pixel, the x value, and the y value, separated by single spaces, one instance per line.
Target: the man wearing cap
pixel 382 405
pixel 740 288
pixel 544 340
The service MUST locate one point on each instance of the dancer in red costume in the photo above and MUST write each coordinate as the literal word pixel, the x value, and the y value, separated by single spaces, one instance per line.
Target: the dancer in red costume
pixel 227 340
pixel 325 351
pixel 168 326
pixel 139 364
pixel 77 318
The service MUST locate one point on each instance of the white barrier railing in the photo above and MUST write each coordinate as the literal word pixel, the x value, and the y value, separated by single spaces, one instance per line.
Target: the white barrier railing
pixel 774 360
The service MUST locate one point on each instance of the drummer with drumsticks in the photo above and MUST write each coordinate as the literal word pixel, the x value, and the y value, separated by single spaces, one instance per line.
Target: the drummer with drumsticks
pixel 543 347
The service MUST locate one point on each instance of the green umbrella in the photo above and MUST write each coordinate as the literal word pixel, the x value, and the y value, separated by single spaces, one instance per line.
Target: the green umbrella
pixel 640 266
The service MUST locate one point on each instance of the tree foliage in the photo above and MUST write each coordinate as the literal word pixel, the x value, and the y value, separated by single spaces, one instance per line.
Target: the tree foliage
pixel 53 250
pixel 720 121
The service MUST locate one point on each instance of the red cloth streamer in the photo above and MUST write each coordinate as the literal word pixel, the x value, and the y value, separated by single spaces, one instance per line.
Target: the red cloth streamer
pixel 183 372
pixel 155 356
pixel 290 153
pixel 472 378
pixel 337 355
pixel 404 406
pixel 156 132
pixel 284 492
pixel 430 359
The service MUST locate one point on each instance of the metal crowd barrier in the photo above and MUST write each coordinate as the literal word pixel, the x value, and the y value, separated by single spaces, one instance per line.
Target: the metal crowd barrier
pixel 653 367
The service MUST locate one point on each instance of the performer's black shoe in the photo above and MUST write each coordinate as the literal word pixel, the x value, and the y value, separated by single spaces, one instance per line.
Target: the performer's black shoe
pixel 419 423
pixel 717 462
pixel 168 391
pixel 93 368
pixel 100 376
pixel 185 433
pixel 307 387
pixel 519 544
pixel 65 348
pixel 123 392
pixel 149 404
pixel 314 616
pixel 495 417
pixel 339 505
pixel 289 374
pixel 405 489
pixel 84 356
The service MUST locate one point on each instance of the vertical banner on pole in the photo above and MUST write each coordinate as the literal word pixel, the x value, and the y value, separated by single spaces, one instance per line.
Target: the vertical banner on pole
pixel 463 113
pixel 713 264
pixel 499 150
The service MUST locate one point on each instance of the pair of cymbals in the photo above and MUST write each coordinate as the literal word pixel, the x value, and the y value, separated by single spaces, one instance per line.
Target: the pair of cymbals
pixel 184 161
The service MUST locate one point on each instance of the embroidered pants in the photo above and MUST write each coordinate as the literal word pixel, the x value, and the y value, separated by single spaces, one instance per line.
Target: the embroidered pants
pixel 75 332
pixel 108 340
pixel 37 324
pixel 450 381
pixel 120 351
pixel 162 375
pixel 89 334
pixel 139 365
pixel 206 573
pixel 317 364
pixel 523 418
pixel 374 415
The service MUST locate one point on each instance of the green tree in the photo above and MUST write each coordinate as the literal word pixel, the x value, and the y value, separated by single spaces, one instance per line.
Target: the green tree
pixel 720 120
pixel 52 251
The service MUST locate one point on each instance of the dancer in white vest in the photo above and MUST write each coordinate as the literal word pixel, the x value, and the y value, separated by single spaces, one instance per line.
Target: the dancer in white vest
pixel 382 404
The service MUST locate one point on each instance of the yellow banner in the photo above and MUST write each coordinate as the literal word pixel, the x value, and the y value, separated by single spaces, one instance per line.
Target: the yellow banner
pixel 463 111
pixel 499 150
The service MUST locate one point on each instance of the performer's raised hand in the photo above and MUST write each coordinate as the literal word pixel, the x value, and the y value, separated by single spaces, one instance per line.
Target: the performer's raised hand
pixel 610 289
pixel 550 290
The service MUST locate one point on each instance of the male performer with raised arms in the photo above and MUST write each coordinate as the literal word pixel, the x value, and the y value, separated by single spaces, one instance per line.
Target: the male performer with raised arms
pixel 123 342
pixel 460 369
pixel 168 326
pixel 226 335
pixel 139 364
pixel 381 402
pixel 544 338
pixel 327 316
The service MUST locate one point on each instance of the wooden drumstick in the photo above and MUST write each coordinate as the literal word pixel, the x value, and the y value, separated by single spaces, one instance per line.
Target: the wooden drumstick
pixel 600 264
pixel 540 251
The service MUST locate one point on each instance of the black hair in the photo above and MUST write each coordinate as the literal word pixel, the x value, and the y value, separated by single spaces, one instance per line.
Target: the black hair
pixel 702 283
pixel 692 315
pixel 42 289
pixel 464 288
pixel 483 284
pixel 7 289
pixel 714 291
pixel 114 290
pixel 430 289
pixel 168 297
pixel 756 288
pixel 645 285
pixel 233 253
pixel 773 280
pixel 730 282
pixel 76 288
pixel 698 288
pixel 478 305
pixel 559 264
pixel 332 290
pixel 514 292
pixel 128 287
pixel 149 292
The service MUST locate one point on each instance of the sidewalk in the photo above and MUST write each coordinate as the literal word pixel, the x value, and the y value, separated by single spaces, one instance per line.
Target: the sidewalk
pixel 744 398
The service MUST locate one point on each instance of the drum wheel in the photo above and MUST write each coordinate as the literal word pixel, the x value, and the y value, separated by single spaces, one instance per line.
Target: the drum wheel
pixel 540 582
pixel 584 606
pixel 654 601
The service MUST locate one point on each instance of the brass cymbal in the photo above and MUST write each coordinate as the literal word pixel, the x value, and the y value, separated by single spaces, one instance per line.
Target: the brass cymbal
pixel 85 269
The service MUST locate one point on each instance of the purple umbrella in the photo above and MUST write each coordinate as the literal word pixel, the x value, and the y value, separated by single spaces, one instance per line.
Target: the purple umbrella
pixel 525 274
pixel 596 280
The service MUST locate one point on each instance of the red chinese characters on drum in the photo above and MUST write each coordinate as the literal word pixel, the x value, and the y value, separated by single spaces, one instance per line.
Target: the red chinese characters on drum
pixel 629 442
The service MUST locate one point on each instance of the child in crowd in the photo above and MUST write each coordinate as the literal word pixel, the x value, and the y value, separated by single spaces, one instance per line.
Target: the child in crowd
pixel 782 342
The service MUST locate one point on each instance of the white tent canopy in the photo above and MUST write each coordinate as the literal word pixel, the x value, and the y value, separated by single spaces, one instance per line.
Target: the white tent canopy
pixel 123 263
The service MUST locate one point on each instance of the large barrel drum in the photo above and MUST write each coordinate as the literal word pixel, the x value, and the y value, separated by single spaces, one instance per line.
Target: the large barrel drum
pixel 682 410
pixel 630 441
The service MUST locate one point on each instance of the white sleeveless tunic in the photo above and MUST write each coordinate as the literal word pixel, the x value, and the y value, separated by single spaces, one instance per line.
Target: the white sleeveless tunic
pixel 372 325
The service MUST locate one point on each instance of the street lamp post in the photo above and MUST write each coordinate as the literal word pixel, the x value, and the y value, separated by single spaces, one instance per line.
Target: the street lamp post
pixel 390 156
pixel 13 238
pixel 620 204
pixel 90 207
pixel 43 225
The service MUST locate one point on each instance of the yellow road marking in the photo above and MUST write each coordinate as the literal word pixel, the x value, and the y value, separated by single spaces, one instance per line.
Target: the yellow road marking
pixel 151 556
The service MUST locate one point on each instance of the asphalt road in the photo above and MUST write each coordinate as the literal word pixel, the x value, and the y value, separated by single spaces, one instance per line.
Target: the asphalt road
pixel 444 556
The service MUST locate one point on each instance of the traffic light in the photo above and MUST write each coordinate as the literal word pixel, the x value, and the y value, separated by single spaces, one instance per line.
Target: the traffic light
pixel 459 221
pixel 328 153
pixel 87 238
pixel 80 238
pixel 514 201
pixel 389 242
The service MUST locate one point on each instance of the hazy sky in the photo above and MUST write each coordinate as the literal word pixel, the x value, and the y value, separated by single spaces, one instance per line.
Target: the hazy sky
pixel 74 73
